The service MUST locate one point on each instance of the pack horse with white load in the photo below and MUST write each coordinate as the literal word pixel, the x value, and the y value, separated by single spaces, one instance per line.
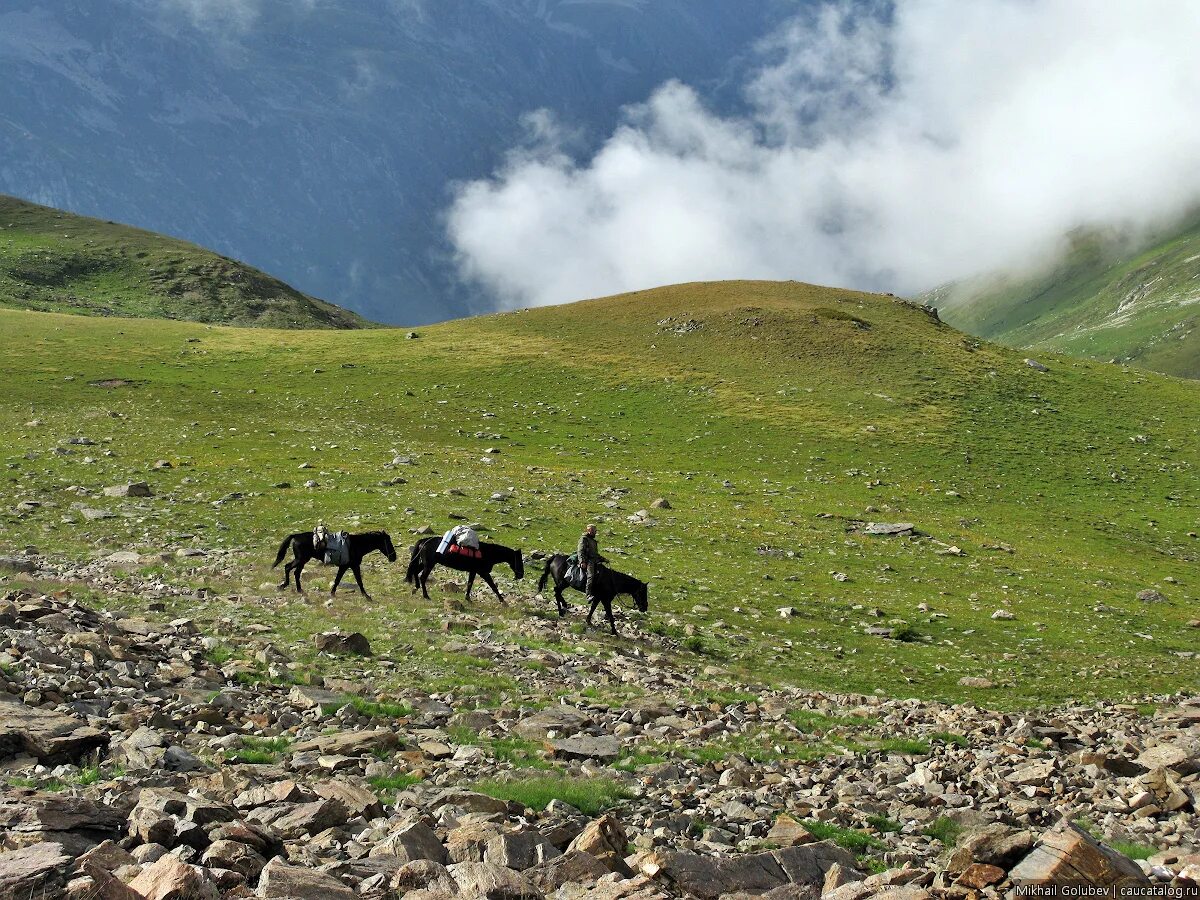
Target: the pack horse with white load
pixel 460 549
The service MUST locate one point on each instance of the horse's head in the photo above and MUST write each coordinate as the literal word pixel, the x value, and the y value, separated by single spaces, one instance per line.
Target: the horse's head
pixel 641 596
pixel 518 564
pixel 389 549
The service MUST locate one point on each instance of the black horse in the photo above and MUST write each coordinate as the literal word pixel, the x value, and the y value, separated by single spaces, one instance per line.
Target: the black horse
pixel 357 546
pixel 608 585
pixel 425 557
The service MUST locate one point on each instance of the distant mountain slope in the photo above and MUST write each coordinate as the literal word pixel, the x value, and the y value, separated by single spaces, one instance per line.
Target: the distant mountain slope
pixel 317 140
pixel 54 261
pixel 1107 298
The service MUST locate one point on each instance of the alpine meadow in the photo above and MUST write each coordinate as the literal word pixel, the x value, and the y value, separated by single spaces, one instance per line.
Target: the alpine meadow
pixel 599 450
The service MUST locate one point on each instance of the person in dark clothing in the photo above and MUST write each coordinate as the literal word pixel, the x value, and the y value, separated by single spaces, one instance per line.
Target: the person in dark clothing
pixel 588 553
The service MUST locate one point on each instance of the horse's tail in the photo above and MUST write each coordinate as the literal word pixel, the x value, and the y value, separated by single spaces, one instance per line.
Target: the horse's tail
pixel 545 573
pixel 414 564
pixel 282 550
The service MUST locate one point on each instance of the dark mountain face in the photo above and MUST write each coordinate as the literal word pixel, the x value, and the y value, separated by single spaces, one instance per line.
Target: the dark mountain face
pixel 319 139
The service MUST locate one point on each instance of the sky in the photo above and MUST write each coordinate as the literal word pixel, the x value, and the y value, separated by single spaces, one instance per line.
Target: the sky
pixel 888 148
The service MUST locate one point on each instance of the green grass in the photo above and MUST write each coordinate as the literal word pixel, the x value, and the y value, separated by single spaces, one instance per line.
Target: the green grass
pixel 1134 851
pixel 590 796
pixel 884 824
pixel 632 760
pixel 955 448
pixel 850 838
pixel 1108 297
pixel 258 751
pixel 946 830
pixel 519 752
pixel 380 709
pixel 387 787
pixel 59 262
pixel 220 655
pixel 948 737
pixel 904 745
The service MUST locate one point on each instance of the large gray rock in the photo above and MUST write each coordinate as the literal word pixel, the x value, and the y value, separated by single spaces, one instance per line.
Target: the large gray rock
pixel 37 871
pixel 519 850
pixel 423 875
pixel 349 743
pixel 996 845
pixel 1067 853
pixel 235 856
pixel 191 807
pixel 707 877
pixel 412 843
pixel 469 801
pixel 311 818
pixel 574 866
pixel 50 736
pixel 280 880
pixel 131 489
pixel 342 644
pixel 491 882
pixel 605 747
pixel 75 823
pixel 604 839
pixel 172 879
pixel 563 720
pixel 358 800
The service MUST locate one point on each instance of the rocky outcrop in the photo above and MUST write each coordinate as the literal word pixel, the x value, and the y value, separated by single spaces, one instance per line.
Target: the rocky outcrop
pixel 195 781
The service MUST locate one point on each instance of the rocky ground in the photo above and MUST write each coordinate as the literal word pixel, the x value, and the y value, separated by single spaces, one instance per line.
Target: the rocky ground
pixel 139 767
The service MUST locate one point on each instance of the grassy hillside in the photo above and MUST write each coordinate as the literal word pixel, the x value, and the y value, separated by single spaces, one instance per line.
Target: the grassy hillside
pixel 1106 298
pixel 54 261
pixel 776 418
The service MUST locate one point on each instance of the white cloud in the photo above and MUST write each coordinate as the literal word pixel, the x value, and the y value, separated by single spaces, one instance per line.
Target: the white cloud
pixel 890 151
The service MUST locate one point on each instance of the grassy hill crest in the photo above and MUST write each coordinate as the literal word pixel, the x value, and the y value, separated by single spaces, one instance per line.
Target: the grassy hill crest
pixel 777 419
pixel 55 261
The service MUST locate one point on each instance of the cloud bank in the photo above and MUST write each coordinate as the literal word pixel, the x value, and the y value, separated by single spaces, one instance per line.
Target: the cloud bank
pixel 891 149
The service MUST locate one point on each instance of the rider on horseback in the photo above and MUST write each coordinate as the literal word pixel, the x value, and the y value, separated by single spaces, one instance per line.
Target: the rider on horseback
pixel 588 554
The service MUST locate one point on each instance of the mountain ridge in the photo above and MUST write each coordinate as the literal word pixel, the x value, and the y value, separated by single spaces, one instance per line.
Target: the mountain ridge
pixel 55 261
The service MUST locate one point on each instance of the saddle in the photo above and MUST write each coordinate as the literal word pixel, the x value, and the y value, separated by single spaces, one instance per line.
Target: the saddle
pixel 332 547
pixel 464 551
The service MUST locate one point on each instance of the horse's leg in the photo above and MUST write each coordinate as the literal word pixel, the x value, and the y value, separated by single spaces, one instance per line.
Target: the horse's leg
pixel 558 597
pixel 608 612
pixel 426 569
pixel 592 609
pixel 357 570
pixel 470 583
pixel 287 576
pixel 487 578
pixel 337 579
pixel 299 569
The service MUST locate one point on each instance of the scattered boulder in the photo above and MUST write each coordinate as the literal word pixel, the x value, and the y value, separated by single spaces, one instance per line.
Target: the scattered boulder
pixel 35 871
pixel 170 878
pixel 1067 853
pixel 340 643
pixel 604 747
pixel 51 737
pixel 491 882
pixel 888 528
pixel 280 880
pixel 132 489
